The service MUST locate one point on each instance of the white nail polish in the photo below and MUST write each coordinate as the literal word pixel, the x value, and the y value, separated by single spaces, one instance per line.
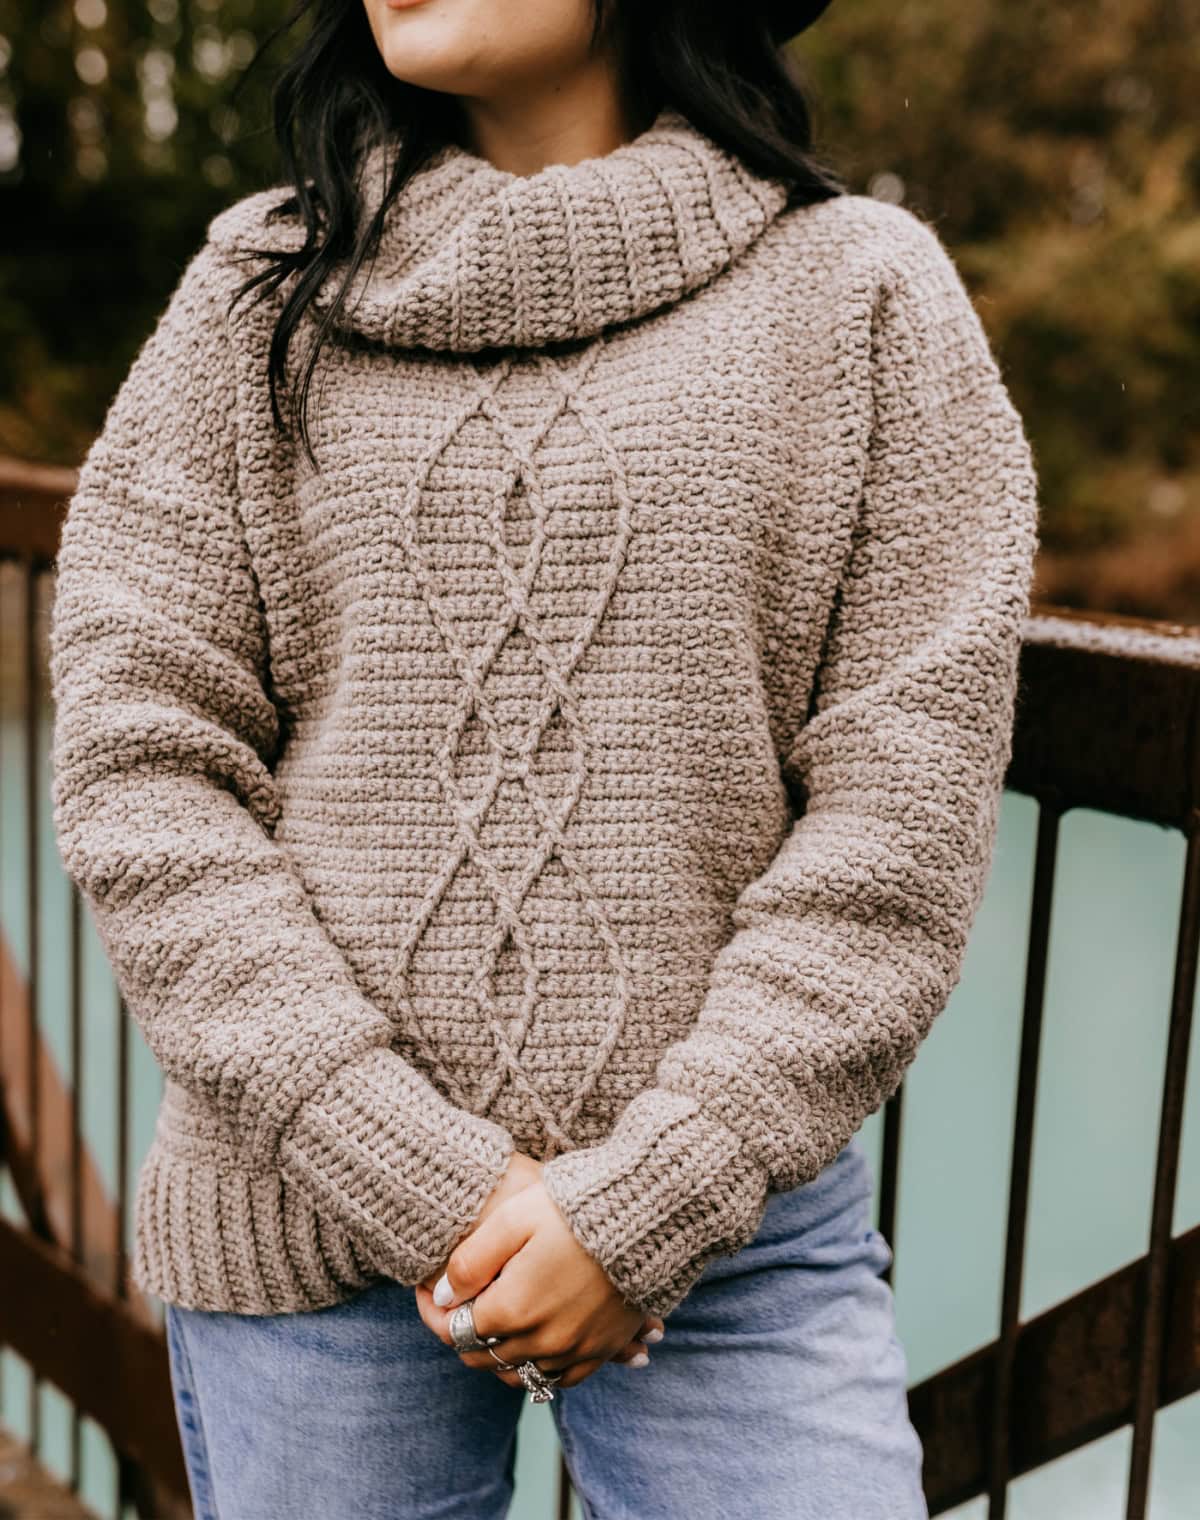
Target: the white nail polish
pixel 653 1335
pixel 443 1293
pixel 640 1360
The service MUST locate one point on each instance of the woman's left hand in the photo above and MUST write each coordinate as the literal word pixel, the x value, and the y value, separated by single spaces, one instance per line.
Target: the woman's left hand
pixel 535 1286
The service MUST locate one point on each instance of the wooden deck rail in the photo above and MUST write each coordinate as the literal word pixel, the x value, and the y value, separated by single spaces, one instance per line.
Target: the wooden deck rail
pixel 1108 717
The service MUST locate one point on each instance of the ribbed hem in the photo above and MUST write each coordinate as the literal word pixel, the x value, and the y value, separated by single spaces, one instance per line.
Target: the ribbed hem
pixel 212 1235
pixel 670 1189
pixel 376 1176
pixel 403 1169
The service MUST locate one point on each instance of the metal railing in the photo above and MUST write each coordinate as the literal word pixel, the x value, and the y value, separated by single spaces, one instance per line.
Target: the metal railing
pixel 1108 717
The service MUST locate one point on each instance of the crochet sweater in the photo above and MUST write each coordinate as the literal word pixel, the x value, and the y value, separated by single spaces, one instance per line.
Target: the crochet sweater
pixel 599 754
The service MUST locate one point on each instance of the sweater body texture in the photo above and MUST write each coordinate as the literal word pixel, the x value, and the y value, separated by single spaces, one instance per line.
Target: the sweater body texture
pixel 600 755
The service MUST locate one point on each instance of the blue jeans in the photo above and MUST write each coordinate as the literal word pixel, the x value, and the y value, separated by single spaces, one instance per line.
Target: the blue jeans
pixel 778 1392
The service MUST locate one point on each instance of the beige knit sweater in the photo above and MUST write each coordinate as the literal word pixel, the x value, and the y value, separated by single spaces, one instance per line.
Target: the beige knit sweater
pixel 599 755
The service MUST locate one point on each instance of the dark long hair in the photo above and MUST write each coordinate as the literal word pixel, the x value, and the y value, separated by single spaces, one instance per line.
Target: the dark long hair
pixel 721 65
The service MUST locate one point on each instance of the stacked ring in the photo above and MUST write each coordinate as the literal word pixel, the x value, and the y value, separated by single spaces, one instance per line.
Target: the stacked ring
pixel 466 1338
pixel 540 1384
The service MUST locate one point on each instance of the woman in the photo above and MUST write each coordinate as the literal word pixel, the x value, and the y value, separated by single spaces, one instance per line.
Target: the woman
pixel 535 805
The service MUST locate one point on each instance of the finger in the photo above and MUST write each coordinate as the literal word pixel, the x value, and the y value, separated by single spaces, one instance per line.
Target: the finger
pixel 523 1339
pixel 510 1378
pixel 432 1317
pixel 652 1328
pixel 627 1353
pixel 503 1311
pixel 573 1373
pixel 544 1364
pixel 477 1259
pixel 578 1371
pixel 438 1322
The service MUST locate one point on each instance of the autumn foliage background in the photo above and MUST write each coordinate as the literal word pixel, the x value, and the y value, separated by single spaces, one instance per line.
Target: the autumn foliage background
pixel 1055 146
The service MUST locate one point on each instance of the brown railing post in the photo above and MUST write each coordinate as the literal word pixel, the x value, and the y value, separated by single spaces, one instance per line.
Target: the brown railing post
pixel 889 1176
pixel 1000 1461
pixel 1152 1323
pixel 33 913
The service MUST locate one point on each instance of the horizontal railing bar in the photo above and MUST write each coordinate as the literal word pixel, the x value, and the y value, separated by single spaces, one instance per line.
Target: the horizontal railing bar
pixel 30 1490
pixel 33 503
pixel 1108 716
pixel 1074 1378
pixel 94 1349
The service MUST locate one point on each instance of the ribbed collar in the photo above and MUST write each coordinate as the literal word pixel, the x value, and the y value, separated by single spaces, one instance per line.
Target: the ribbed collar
pixel 472 256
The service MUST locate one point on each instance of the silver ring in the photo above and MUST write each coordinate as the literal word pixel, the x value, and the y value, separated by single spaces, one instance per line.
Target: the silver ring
pixel 466 1338
pixel 462 1329
pixel 540 1384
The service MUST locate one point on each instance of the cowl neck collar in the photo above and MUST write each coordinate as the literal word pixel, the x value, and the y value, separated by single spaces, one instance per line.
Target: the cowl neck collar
pixel 472 256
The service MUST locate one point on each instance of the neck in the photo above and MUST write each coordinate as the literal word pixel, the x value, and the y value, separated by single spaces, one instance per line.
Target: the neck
pixel 524 131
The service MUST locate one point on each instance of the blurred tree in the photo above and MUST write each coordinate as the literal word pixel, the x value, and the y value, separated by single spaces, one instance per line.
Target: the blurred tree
pixel 1056 147
pixel 119 140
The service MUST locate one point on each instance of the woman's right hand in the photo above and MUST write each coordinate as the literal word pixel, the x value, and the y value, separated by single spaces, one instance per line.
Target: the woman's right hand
pixel 523 1170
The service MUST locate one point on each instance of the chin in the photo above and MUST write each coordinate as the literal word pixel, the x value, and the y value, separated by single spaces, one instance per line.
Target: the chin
pixel 432 63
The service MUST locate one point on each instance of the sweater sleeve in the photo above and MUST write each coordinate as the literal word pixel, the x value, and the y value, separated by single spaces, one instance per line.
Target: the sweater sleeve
pixel 165 808
pixel 848 945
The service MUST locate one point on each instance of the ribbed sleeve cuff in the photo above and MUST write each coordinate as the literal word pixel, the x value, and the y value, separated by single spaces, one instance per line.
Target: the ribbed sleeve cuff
pixel 404 1169
pixel 668 1190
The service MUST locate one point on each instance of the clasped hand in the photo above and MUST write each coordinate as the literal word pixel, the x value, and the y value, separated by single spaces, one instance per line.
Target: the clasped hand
pixel 536 1287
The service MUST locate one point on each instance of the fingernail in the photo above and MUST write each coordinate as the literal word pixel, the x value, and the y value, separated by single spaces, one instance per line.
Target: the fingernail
pixel 443 1293
pixel 653 1335
pixel 640 1360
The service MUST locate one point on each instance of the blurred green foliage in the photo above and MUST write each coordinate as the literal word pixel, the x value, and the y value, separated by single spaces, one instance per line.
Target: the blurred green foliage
pixel 120 137
pixel 1055 146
